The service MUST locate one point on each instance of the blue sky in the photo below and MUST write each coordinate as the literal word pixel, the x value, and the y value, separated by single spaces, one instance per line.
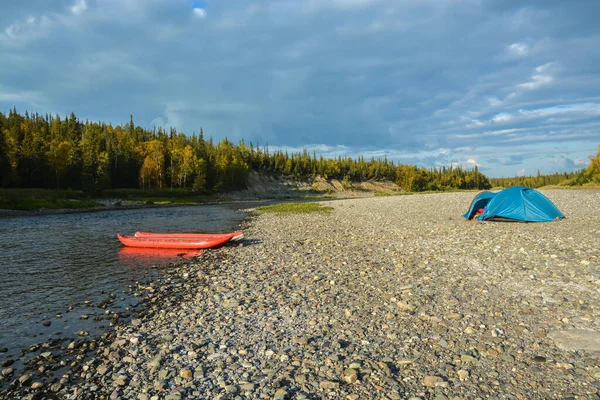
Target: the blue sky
pixel 510 86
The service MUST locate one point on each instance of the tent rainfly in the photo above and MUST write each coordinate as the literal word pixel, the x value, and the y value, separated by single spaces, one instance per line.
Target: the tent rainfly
pixel 517 203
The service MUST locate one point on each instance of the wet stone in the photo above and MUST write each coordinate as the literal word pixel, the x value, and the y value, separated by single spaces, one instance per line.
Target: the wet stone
pixel 384 298
pixel 24 379
pixel 56 387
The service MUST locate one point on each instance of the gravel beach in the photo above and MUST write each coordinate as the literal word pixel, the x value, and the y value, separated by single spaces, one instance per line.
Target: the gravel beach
pixel 383 298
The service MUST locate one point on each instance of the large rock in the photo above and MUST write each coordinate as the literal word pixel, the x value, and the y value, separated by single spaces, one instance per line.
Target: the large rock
pixel 576 340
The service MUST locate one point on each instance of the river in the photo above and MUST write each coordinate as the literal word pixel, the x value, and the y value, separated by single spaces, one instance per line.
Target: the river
pixel 65 264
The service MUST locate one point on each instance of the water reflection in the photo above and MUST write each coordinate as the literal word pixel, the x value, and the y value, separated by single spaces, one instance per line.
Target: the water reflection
pixel 133 257
pixel 55 262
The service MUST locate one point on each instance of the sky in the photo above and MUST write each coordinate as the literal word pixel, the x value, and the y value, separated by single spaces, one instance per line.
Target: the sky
pixel 512 86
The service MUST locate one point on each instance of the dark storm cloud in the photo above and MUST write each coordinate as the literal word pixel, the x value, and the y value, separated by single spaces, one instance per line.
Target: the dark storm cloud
pixel 475 82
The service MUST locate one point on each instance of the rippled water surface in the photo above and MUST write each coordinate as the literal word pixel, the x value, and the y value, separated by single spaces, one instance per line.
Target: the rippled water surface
pixel 48 263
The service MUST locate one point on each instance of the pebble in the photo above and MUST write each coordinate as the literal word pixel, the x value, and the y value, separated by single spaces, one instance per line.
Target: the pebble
pixel 465 358
pixel 383 298
pixel 121 380
pixel 492 353
pixel 329 385
pixel 432 381
pixel 350 375
pixel 185 373
pixel 24 379
pixel 231 389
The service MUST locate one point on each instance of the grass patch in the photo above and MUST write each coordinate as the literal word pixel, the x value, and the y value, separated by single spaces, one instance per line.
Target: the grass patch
pixel 47 194
pixel 30 204
pixel 176 196
pixel 36 199
pixel 316 197
pixel 295 208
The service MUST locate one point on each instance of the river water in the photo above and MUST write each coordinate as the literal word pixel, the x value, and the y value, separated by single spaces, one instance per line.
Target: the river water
pixel 51 263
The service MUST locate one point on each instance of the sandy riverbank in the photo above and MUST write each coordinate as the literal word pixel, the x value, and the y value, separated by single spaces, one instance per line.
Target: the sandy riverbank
pixel 390 297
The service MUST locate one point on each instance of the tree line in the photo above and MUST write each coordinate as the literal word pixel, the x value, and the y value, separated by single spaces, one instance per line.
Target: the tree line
pixel 48 151
pixel 536 181
pixel 585 176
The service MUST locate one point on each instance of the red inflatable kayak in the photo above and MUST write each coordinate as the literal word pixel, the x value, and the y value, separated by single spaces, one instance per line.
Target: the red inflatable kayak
pixel 173 242
pixel 236 235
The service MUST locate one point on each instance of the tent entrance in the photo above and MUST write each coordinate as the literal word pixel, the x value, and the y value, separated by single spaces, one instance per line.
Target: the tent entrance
pixel 476 205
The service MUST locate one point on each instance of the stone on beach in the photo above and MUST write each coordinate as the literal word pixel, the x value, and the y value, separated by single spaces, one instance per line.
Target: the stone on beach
pixel 576 339
pixel 392 297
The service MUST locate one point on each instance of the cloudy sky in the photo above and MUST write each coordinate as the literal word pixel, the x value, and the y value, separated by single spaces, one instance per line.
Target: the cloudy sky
pixel 512 86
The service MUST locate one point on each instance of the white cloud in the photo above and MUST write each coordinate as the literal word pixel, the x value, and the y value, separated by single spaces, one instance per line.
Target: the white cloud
pixel 12 30
pixel 502 118
pixel 22 96
pixel 281 72
pixel 26 29
pixel 537 81
pixel 518 49
pixel 541 77
pixel 79 7
pixel 544 67
pixel 475 124
pixel 521 172
pixel 494 102
pixel 200 12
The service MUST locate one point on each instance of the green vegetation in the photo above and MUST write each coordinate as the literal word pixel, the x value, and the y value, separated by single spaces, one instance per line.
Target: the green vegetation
pixel 295 208
pixel 50 152
pixel 35 199
pixel 589 176
pixel 46 151
pixel 176 196
pixel 533 181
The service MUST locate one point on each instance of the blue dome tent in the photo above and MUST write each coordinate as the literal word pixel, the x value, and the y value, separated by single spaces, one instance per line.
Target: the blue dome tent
pixel 517 203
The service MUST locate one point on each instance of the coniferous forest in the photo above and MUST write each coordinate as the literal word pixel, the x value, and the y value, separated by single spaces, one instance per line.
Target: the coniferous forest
pixel 46 151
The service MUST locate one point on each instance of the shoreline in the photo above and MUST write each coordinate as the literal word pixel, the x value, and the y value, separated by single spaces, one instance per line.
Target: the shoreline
pixel 241 198
pixel 43 212
pixel 394 297
pixel 4 213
